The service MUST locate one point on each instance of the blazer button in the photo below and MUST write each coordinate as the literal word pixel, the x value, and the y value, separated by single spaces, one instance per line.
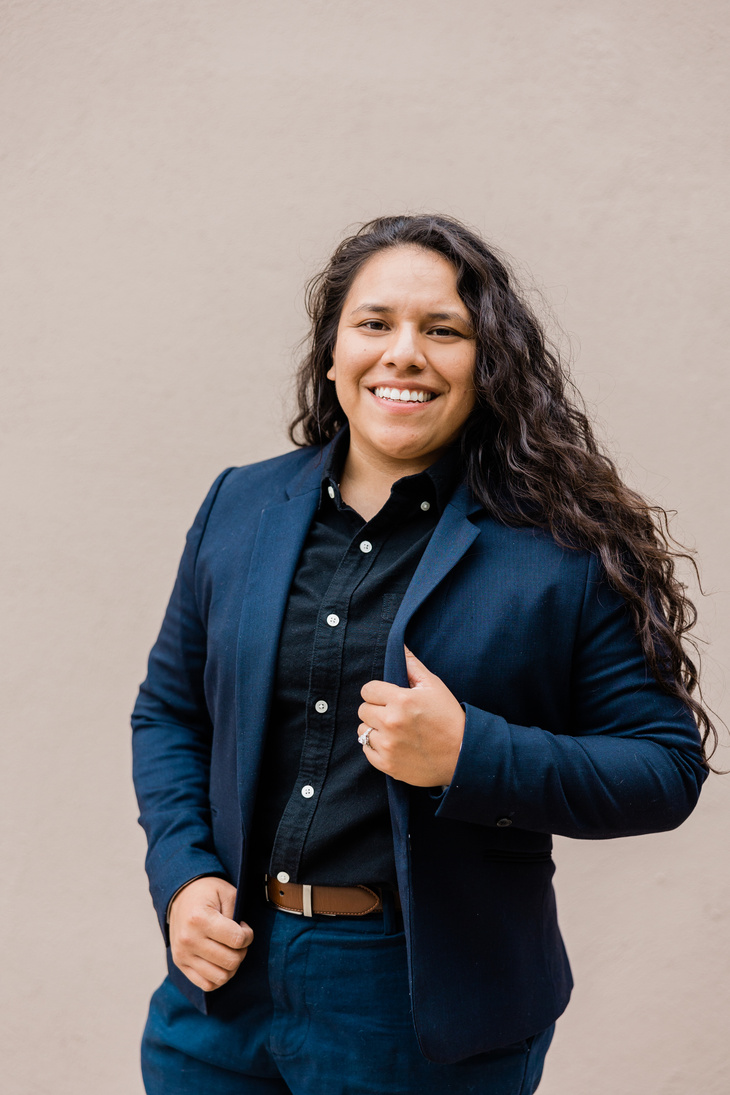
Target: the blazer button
pixel 503 822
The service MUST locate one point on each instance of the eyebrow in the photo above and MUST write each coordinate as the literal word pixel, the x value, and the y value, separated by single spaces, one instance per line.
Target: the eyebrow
pixel 383 309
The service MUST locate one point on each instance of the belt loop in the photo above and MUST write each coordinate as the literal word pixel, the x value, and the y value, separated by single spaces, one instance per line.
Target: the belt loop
pixel 307 900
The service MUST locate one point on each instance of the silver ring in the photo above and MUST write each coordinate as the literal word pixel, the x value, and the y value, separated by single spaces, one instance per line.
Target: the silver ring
pixel 364 738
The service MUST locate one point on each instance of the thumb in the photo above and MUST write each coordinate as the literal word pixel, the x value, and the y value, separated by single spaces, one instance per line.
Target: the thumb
pixel 226 898
pixel 417 672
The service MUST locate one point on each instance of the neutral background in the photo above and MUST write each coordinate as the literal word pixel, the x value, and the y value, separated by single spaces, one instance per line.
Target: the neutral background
pixel 172 173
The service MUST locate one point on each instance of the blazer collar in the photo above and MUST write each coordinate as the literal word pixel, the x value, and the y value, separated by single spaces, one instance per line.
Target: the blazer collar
pixel 310 476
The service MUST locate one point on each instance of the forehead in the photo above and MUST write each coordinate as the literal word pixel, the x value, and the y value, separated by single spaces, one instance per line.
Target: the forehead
pixel 400 274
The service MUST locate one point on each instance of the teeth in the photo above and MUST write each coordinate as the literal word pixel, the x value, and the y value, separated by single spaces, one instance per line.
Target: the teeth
pixel 404 396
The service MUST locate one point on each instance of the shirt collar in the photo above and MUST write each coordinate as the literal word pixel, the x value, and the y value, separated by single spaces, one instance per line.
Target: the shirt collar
pixel 438 481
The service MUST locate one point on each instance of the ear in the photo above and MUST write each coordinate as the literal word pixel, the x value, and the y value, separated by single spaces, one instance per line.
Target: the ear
pixel 331 372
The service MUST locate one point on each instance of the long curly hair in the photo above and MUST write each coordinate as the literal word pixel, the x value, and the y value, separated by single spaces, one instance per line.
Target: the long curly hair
pixel 529 449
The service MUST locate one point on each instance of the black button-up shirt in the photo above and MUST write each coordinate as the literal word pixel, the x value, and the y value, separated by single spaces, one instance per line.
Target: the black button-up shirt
pixel 322 810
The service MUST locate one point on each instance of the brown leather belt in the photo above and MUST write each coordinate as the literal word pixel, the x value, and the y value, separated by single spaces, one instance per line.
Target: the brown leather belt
pixel 325 900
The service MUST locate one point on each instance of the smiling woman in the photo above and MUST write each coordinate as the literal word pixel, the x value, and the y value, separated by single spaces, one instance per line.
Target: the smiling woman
pixel 395 661
pixel 404 379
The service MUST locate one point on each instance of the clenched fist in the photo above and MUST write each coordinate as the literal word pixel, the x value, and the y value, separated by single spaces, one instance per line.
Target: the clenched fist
pixel 416 731
pixel 206 944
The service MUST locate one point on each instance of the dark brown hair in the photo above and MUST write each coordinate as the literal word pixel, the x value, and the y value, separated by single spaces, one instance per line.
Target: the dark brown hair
pixel 529 448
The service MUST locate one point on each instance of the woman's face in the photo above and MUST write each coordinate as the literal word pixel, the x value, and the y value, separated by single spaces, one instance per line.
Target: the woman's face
pixel 403 363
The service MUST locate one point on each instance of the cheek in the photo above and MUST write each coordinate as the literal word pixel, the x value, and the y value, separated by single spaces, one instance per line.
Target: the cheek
pixel 348 368
pixel 345 387
pixel 464 401
pixel 463 385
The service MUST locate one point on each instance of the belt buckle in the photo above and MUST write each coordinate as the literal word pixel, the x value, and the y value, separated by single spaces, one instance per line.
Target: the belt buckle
pixel 306 900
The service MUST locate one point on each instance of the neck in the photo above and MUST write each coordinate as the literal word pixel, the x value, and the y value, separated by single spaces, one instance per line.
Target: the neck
pixel 367 478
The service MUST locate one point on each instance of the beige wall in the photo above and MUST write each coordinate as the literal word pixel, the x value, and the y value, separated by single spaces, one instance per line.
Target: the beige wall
pixel 172 172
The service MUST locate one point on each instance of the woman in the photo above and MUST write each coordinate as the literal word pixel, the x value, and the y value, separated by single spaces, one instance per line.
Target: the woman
pixel 394 662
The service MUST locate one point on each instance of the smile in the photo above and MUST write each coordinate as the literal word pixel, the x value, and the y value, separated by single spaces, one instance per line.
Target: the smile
pixel 404 395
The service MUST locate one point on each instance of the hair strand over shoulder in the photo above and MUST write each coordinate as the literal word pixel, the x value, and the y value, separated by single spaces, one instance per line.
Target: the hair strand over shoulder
pixel 529 449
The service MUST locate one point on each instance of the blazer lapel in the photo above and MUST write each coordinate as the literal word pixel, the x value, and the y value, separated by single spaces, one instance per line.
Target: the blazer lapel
pixel 279 541
pixel 452 538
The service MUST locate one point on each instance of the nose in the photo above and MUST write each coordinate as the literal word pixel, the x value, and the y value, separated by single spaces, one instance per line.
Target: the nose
pixel 404 348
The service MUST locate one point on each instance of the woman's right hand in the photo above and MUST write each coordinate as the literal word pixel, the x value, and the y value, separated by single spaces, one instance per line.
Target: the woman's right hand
pixel 207 945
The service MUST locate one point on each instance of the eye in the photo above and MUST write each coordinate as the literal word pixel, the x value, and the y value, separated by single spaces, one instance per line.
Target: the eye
pixel 374 325
pixel 446 332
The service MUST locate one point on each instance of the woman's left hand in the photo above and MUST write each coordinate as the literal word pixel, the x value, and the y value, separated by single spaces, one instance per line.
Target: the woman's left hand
pixel 417 731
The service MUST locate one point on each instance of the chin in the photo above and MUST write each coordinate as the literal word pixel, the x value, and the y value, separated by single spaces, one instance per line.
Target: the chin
pixel 409 453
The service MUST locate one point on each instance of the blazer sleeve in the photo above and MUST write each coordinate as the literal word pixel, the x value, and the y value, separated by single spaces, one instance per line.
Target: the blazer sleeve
pixel 628 761
pixel 172 737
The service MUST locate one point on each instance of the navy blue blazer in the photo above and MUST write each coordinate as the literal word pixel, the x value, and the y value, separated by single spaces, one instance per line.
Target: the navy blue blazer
pixel 566 732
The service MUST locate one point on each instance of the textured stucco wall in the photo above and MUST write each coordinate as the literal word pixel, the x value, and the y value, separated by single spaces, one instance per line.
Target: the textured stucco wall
pixel 172 171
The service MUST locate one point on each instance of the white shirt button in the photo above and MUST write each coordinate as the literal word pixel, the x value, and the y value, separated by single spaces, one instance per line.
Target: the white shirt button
pixel 331 491
pixel 321 706
pixel 307 790
pixel 282 877
pixel 425 506
pixel 333 620
pixel 365 547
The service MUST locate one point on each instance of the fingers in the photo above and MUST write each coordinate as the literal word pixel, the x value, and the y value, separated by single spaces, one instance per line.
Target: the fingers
pixel 213 962
pixel 205 975
pixel 370 751
pixel 417 731
pixel 224 958
pixel 206 944
pixel 380 692
pixel 417 672
pixel 363 728
pixel 372 716
pixel 204 926
pixel 226 931
pixel 392 717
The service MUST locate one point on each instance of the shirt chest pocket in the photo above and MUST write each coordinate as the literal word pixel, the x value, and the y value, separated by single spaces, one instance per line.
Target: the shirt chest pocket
pixel 388 611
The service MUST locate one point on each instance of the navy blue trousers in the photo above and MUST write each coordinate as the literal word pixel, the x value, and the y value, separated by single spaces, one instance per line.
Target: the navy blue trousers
pixel 319 1007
